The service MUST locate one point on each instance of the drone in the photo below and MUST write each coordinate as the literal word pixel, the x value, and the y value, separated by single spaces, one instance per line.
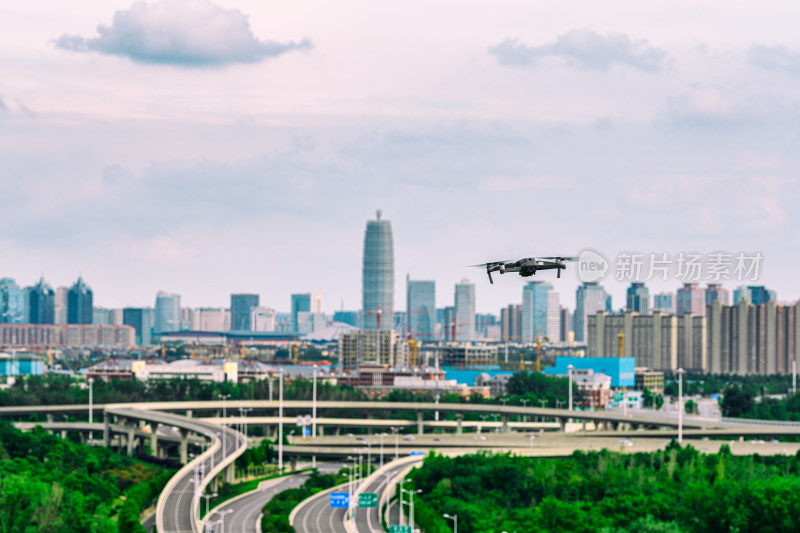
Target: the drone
pixel 528 266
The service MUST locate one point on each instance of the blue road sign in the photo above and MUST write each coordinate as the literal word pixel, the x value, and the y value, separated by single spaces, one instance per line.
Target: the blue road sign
pixel 417 453
pixel 340 500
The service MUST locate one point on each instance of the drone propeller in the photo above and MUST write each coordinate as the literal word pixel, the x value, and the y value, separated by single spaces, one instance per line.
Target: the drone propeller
pixel 562 258
pixel 493 263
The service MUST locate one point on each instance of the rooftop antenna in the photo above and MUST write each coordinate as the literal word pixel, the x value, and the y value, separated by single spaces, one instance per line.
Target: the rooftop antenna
pixel 378 214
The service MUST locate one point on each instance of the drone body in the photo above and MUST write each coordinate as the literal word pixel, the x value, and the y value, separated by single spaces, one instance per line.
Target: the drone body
pixel 527 266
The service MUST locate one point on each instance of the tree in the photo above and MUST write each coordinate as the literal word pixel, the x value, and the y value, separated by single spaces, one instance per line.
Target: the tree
pixel 736 402
pixel 690 407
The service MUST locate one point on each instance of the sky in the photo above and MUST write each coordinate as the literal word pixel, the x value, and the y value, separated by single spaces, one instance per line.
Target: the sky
pixel 206 148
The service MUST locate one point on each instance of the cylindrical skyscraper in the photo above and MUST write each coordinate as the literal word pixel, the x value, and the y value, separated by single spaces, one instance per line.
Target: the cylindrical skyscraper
pixel 377 277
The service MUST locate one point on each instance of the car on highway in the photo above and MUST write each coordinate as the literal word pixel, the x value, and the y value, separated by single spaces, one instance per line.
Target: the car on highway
pixel 625 442
pixel 408 438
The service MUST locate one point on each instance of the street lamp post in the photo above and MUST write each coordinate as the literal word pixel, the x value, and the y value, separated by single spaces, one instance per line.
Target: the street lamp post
pixel 410 504
pixel 91 414
pixel 401 518
pixel 396 442
pixel 382 435
pixel 222 518
pixel 224 420
pixel 454 518
pixel 314 405
pixel 680 405
pixel 208 497
pixel 280 422
pixel 569 373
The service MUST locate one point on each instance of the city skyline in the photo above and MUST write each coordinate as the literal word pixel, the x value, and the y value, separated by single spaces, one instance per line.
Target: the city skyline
pixel 676 135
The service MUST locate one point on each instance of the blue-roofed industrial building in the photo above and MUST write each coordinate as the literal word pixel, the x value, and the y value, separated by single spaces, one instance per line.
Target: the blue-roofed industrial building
pixel 621 369
pixel 11 366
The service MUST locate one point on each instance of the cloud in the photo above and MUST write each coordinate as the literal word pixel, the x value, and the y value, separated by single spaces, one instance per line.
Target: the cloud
pixel 583 48
pixel 3 107
pixel 775 58
pixel 186 33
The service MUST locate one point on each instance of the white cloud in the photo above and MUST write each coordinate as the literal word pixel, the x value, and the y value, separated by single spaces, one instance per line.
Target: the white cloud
pixel 775 58
pixel 584 48
pixel 186 33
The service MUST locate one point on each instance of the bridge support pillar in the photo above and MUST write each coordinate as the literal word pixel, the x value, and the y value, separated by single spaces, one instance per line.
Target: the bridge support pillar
pixel 320 432
pixel 584 426
pixel 294 463
pixel 338 430
pixel 369 417
pixel 229 473
pixel 64 434
pixel 106 431
pixel 188 413
pixel 50 418
pixel 504 427
pixel 130 438
pixel 420 424
pixel 184 451
pixel 563 423
pixel 154 440
pixel 459 423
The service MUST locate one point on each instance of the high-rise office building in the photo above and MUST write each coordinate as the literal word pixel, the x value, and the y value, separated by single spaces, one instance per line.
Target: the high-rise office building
pixel 760 295
pixel 167 312
pixel 60 305
pixel 305 303
pixel 351 318
pixel 637 298
pixel 41 303
pixel 511 323
pixel 308 322
pixel 691 298
pixel 553 315
pixel 534 310
pixel 141 320
pixel 566 326
pixel 101 316
pixel 716 292
pixel 589 299
pixel 421 309
pixel 449 323
pixel 241 307
pixel 13 307
pixel 263 318
pixel 79 303
pixel 377 275
pixel 211 319
pixel 465 310
pixel 115 317
pixel 664 301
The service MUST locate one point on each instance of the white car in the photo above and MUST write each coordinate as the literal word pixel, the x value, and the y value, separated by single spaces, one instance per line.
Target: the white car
pixel 625 442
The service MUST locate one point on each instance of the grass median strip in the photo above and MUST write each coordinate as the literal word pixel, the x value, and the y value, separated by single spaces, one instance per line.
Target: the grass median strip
pixel 230 491
pixel 276 512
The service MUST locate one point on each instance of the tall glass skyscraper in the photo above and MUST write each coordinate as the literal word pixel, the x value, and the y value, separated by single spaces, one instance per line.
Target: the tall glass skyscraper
pixel 637 298
pixel 41 303
pixel 304 303
pixel 79 304
pixel 465 311
pixel 421 309
pixel 534 310
pixel 377 275
pixel 241 307
pixel 589 299
pixel 167 312
pixel 13 308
